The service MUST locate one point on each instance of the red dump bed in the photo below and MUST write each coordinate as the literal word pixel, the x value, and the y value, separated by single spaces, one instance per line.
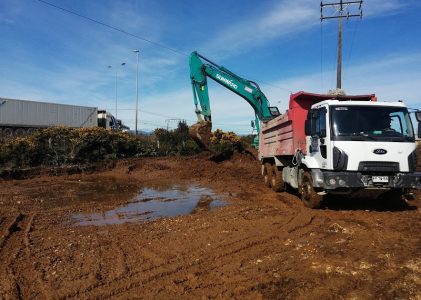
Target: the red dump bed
pixel 284 134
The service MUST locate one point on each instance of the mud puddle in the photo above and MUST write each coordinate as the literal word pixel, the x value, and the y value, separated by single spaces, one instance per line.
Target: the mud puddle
pixel 156 202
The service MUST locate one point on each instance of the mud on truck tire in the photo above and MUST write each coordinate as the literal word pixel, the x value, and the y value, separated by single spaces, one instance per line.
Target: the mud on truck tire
pixel 309 196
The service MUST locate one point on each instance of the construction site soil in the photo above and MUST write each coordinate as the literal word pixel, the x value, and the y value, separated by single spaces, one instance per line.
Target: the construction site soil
pixel 66 237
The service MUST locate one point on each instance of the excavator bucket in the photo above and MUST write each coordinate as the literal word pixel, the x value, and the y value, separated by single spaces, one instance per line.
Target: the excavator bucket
pixel 201 133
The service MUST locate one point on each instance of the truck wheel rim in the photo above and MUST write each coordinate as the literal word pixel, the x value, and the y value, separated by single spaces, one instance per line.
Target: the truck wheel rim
pixel 306 190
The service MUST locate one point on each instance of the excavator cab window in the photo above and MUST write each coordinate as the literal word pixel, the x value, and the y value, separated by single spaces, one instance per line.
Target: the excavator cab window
pixel 274 111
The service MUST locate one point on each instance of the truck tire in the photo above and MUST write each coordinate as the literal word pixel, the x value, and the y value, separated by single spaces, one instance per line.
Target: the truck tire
pixel 20 132
pixel 30 131
pixel 393 197
pixel 278 184
pixel 267 174
pixel 8 132
pixel 308 195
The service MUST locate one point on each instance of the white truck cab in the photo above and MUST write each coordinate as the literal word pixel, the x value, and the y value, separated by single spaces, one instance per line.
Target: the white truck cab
pixel 360 144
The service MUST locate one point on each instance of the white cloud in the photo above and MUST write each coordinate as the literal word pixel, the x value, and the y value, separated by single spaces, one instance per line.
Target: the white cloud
pixel 286 19
pixel 377 8
pixel 391 78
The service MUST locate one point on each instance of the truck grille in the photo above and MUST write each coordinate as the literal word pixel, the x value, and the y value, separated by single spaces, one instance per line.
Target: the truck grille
pixel 378 166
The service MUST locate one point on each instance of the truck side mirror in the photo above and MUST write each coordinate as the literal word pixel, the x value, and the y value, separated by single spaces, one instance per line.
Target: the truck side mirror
pixel 418 116
pixel 307 127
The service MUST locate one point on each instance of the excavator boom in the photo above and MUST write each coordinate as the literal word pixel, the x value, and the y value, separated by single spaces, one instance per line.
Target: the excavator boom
pixel 200 69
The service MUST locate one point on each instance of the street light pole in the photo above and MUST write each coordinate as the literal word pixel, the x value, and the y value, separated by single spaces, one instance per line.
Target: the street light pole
pixel 116 75
pixel 137 87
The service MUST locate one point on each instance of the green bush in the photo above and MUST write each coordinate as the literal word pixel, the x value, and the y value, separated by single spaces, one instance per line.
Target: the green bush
pixel 17 153
pixel 56 146
pixel 225 141
pixel 189 147
pixel 175 142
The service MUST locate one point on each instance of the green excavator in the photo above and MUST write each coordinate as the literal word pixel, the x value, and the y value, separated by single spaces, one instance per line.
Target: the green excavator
pixel 200 69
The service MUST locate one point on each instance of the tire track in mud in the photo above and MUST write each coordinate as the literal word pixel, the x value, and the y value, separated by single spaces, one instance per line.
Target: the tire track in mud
pixel 300 220
pixel 9 251
pixel 129 281
pixel 164 267
pixel 10 228
pixel 121 259
pixel 28 229
pixel 252 242
pixel 15 253
pixel 213 260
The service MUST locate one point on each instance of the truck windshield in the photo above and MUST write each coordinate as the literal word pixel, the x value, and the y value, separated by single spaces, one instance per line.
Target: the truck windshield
pixel 379 123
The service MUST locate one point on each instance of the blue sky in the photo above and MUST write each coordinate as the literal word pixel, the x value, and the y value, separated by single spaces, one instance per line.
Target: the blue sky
pixel 53 56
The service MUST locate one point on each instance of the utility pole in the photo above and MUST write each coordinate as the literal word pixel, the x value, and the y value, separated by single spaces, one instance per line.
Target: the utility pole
pixel 342 10
pixel 137 86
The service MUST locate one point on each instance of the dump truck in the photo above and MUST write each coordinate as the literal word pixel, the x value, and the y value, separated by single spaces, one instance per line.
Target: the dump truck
pixel 324 143
pixel 21 117
pixel 340 144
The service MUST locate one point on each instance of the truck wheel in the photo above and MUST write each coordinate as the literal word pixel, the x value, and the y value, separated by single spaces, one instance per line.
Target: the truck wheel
pixel 309 197
pixel 267 174
pixel 394 197
pixel 8 132
pixel 278 184
pixel 30 131
pixel 20 132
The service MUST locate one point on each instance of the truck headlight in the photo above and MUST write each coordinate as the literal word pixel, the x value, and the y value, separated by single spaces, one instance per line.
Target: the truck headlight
pixel 332 181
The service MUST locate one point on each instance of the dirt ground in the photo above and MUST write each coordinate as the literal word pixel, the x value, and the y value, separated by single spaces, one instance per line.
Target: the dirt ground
pixel 264 245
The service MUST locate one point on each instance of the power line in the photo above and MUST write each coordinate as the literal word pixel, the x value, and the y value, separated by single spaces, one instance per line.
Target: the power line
pixel 134 35
pixel 341 7
pixel 265 83
pixel 154 113
pixel 112 27
pixel 353 39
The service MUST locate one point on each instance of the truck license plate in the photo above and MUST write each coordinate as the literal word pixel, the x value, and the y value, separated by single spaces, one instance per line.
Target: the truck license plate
pixel 380 179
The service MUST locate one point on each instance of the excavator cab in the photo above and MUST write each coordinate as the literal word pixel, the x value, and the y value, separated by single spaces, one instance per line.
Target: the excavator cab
pixel 274 111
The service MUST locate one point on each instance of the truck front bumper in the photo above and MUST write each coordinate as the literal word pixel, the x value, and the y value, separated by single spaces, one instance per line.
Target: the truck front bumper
pixel 330 180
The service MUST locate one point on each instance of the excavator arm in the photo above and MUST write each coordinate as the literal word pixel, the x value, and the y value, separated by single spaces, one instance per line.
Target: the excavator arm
pixel 200 69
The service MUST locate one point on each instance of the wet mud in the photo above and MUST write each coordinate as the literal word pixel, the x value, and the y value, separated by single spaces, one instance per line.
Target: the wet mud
pixel 151 204
pixel 262 245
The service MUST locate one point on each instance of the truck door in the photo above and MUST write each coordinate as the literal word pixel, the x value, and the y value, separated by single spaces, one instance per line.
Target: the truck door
pixel 319 137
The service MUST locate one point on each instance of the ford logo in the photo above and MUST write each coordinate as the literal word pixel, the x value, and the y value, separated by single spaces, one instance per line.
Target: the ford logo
pixel 379 151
